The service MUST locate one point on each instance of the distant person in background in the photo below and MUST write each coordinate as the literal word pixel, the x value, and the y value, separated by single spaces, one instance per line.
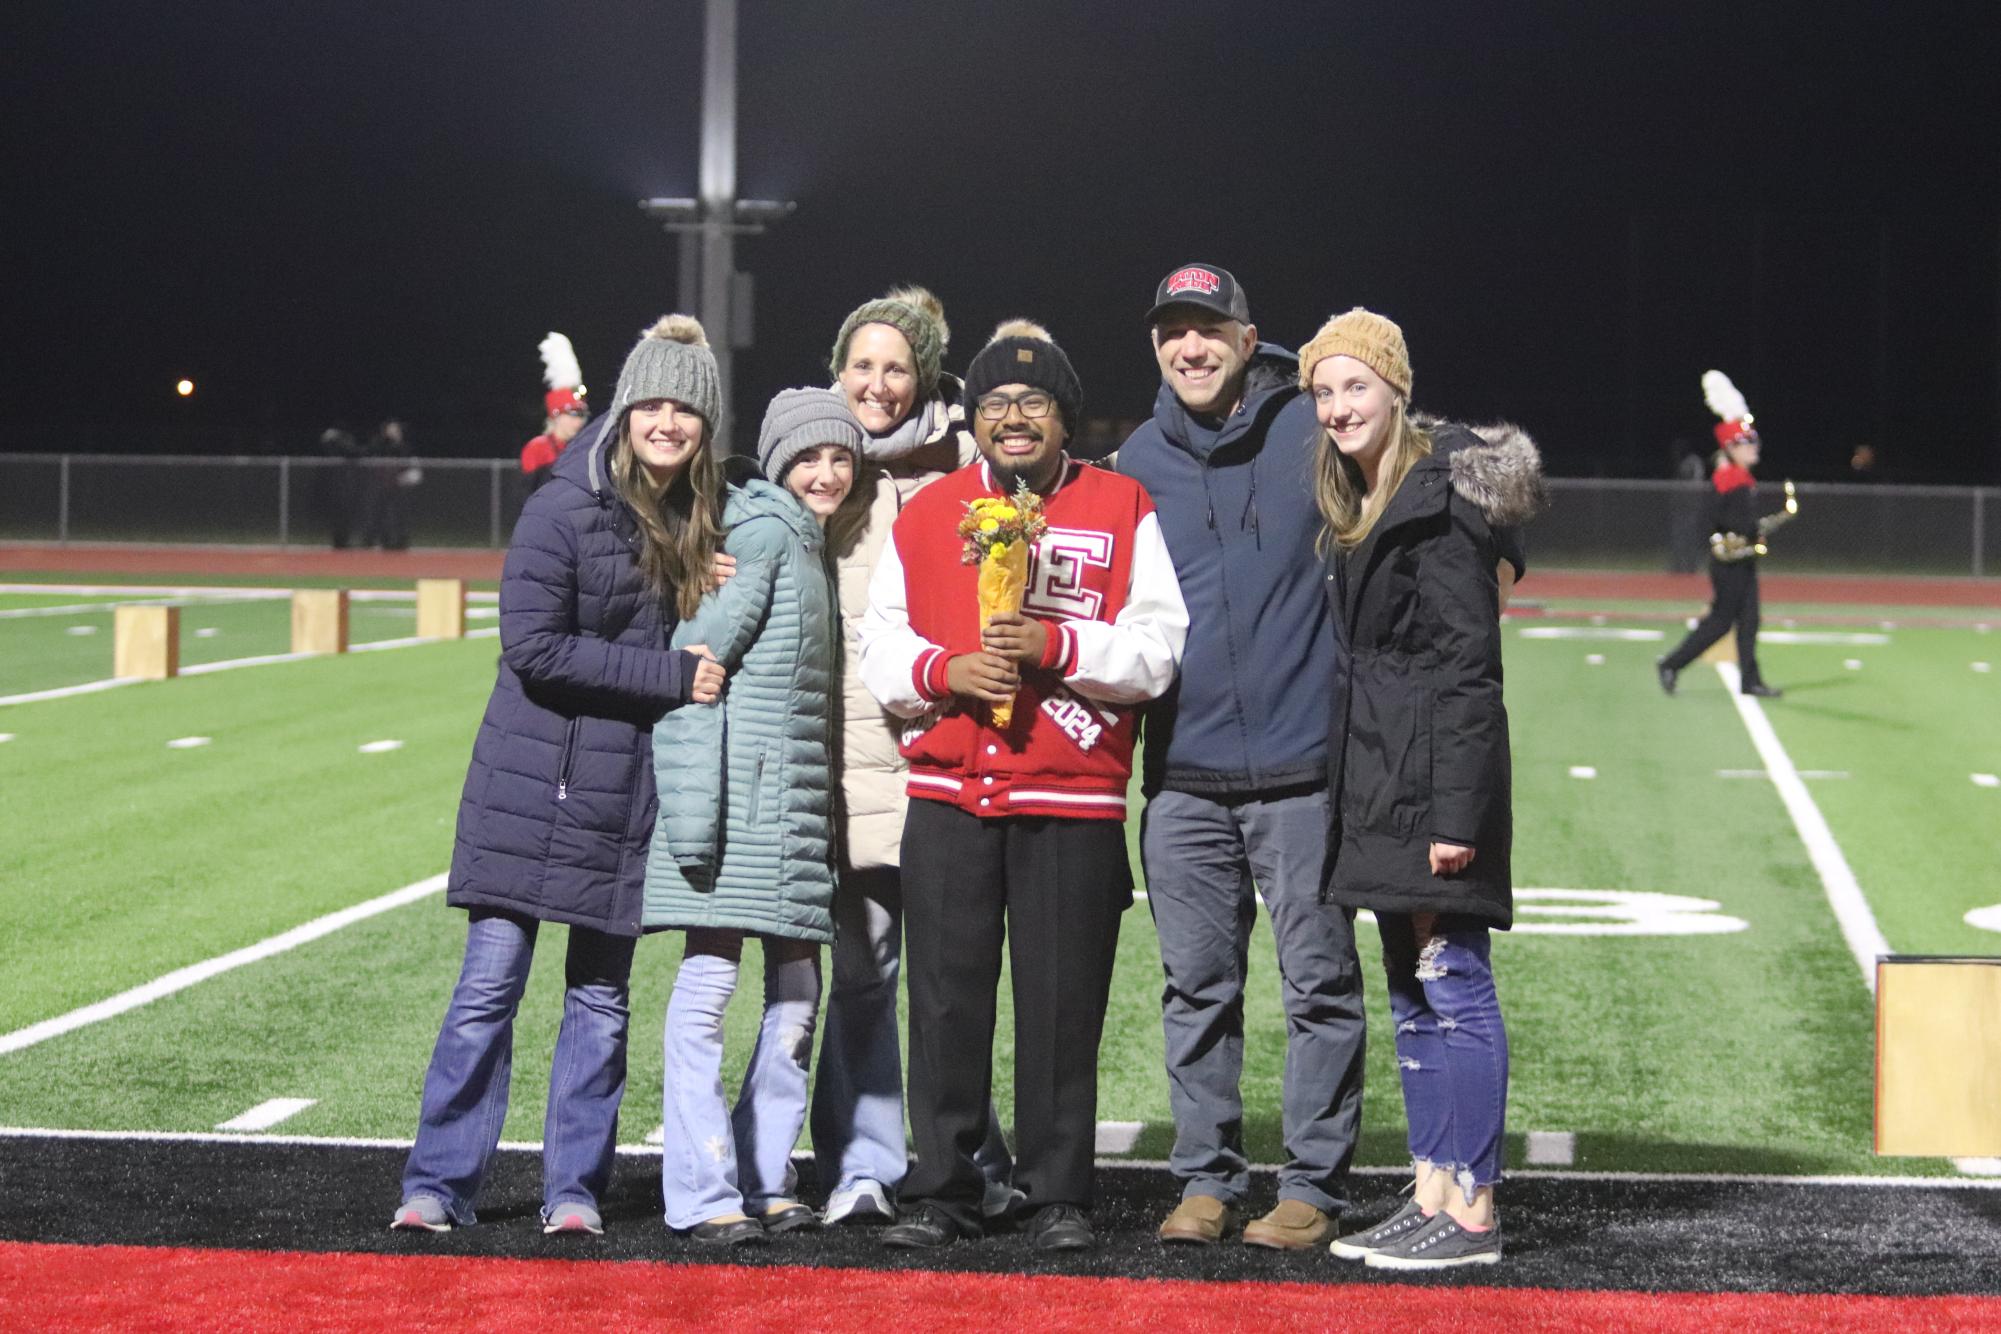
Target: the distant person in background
pixel 1736 542
pixel 744 844
pixel 559 800
pixel 1688 507
pixel 885 363
pixel 341 485
pixel 566 408
pixel 389 478
pixel 1862 463
pixel 1419 767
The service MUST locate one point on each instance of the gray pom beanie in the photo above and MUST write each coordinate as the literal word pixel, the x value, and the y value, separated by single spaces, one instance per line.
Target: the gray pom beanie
pixel 671 360
pixel 801 419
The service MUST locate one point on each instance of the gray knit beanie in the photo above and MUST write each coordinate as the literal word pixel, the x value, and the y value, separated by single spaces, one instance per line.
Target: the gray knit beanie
pixel 798 420
pixel 912 312
pixel 672 360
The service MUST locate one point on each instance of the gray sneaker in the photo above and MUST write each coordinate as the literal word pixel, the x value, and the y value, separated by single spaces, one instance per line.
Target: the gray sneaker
pixel 570 1216
pixel 1361 1245
pixel 1440 1244
pixel 421 1213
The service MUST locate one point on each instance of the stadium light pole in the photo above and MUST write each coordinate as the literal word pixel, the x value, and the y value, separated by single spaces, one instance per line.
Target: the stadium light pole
pixel 707 226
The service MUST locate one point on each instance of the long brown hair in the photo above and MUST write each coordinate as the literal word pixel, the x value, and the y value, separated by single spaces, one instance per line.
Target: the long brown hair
pixel 680 524
pixel 1349 513
pixel 847 523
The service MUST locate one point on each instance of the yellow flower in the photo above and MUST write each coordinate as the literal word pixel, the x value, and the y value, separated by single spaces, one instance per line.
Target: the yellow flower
pixel 997 550
pixel 989 525
pixel 1006 512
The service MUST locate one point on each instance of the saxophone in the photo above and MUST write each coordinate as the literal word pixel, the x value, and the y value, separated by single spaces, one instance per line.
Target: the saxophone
pixel 1730 547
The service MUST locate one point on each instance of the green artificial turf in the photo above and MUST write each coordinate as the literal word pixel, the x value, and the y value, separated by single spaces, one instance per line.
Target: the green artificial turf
pixel 1747 1051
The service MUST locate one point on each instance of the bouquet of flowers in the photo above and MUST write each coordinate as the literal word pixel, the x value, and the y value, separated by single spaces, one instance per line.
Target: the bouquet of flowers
pixel 998 534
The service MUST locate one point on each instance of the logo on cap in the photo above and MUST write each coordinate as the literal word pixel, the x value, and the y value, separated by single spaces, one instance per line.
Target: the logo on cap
pixel 1192 280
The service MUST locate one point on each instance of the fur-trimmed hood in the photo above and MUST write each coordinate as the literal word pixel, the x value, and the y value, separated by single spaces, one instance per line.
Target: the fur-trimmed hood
pixel 1497 467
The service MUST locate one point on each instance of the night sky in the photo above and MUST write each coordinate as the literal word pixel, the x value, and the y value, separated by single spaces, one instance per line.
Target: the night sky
pixel 334 213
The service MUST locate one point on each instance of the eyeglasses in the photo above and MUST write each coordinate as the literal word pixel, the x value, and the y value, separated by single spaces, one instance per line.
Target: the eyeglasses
pixel 1033 404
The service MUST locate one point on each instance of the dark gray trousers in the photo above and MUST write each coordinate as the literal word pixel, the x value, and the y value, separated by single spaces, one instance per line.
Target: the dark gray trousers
pixel 1206 860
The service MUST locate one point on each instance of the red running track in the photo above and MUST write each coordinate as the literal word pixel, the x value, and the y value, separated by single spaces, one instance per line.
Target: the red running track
pixel 47 1287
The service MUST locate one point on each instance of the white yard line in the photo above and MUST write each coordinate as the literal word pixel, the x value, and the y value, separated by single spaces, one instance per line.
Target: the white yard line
pixel 183 978
pixel 650 1151
pixel 230 665
pixel 267 1114
pixel 1851 909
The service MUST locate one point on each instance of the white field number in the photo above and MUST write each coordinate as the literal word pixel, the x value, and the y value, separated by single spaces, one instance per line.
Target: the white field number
pixel 1620 912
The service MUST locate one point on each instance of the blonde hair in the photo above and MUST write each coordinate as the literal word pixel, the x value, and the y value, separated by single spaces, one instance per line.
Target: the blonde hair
pixel 1347 510
pixel 680 524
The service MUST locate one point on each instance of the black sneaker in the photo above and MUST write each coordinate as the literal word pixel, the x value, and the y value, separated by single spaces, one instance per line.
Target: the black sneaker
pixel 1361 1245
pixel 1061 1227
pixel 1666 674
pixel 923 1228
pixel 1762 691
pixel 1440 1244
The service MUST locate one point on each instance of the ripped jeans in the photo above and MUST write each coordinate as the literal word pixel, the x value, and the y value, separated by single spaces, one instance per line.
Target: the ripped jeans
pixel 715 1161
pixel 1452 1048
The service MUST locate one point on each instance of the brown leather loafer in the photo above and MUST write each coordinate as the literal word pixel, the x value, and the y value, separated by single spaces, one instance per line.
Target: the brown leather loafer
pixel 1199 1220
pixel 1294 1226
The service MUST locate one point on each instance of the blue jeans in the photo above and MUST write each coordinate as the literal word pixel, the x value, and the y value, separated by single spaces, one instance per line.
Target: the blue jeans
pixel 1205 860
pixel 465 1088
pixel 713 1161
pixel 858 1097
pixel 1452 1048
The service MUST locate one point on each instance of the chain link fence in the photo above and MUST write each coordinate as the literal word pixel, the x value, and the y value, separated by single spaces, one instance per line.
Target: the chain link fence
pixel 1643 525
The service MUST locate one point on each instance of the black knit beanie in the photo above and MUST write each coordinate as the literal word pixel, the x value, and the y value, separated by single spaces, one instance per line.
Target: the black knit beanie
pixel 1022 352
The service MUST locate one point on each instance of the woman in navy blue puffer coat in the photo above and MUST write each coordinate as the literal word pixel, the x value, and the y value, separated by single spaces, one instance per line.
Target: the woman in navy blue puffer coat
pixel 559 799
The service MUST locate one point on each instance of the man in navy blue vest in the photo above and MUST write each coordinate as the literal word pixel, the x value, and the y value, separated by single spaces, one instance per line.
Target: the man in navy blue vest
pixel 1235 767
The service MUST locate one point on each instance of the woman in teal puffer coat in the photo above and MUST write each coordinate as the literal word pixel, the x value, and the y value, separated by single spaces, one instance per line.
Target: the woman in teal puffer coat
pixel 744 844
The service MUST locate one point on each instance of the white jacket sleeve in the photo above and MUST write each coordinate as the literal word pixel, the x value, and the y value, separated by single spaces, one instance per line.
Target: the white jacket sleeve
pixel 1135 656
pixel 895 658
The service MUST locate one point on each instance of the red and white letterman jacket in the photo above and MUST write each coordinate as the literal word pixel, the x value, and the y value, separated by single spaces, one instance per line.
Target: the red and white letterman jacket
pixel 1102 584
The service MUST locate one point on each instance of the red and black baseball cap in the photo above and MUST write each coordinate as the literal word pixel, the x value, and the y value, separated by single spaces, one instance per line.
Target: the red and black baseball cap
pixel 1202 285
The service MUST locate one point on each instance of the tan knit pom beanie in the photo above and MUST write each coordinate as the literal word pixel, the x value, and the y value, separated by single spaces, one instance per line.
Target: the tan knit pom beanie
pixel 1369 338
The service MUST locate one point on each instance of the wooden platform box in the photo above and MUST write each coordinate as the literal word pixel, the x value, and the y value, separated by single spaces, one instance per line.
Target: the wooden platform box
pixel 1938 1056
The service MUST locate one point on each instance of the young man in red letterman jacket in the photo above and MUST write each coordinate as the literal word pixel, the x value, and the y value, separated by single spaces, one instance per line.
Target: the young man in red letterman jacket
pixel 1017 834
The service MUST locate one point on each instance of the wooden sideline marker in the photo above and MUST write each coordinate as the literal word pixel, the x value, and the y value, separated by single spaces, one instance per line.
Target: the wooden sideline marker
pixel 441 608
pixel 1938 1056
pixel 319 620
pixel 146 642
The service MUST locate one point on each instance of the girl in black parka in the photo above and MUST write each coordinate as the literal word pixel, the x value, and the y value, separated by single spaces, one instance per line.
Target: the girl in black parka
pixel 1418 559
pixel 559 799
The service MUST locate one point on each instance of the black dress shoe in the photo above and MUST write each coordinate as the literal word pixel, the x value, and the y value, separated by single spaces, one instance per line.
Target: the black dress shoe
pixel 1667 675
pixel 1061 1227
pixel 740 1232
pixel 1763 691
pixel 924 1228
pixel 791 1218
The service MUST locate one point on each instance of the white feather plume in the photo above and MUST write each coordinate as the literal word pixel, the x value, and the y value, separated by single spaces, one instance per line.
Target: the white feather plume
pixel 559 362
pixel 1723 397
